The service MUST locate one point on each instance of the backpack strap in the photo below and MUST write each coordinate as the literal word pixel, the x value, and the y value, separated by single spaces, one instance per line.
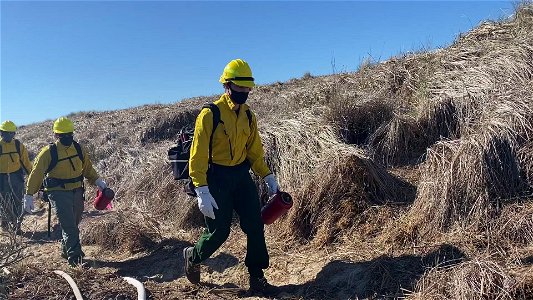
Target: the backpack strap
pixel 216 119
pixel 249 115
pixel 50 182
pixel 54 155
pixel 17 145
pixel 78 149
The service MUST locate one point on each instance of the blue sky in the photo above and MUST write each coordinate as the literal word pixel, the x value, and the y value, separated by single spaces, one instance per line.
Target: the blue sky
pixel 63 57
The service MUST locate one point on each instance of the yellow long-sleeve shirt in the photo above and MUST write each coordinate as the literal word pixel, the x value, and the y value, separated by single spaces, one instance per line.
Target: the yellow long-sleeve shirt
pixel 234 141
pixel 10 161
pixel 65 169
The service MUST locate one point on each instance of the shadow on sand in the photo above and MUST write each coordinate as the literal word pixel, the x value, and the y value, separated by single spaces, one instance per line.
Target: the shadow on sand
pixel 381 277
pixel 164 263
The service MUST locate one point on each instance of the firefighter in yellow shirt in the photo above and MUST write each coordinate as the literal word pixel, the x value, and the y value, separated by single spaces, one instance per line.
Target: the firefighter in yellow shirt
pixel 222 180
pixel 61 168
pixel 14 162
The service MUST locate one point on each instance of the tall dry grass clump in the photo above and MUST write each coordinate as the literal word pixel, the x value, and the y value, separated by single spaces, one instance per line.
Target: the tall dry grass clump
pixel 525 156
pixel 398 142
pixel 331 183
pixel 333 200
pixel 514 227
pixel 167 126
pixel 466 182
pixel 294 146
pixel 357 119
pixel 478 278
pixel 123 231
pixel 163 199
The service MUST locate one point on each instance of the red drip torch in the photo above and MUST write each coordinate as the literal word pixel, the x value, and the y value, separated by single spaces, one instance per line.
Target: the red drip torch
pixel 277 205
pixel 103 199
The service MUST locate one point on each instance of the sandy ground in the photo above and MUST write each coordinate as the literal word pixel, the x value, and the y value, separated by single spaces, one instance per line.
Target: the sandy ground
pixel 301 273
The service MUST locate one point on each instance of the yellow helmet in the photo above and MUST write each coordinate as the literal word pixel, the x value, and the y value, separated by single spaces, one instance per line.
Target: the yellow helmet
pixel 63 125
pixel 238 71
pixel 8 126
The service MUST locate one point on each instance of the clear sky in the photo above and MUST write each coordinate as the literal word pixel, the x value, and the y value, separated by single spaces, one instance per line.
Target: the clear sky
pixel 63 57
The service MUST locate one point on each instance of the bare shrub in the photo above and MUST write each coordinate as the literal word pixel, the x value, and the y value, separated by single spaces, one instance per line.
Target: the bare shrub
pixel 11 245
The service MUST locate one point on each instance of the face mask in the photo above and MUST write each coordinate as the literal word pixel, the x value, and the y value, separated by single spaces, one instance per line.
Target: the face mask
pixel 66 140
pixel 7 136
pixel 238 97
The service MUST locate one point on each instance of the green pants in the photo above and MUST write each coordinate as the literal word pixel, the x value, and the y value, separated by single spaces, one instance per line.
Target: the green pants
pixel 68 206
pixel 234 189
pixel 11 192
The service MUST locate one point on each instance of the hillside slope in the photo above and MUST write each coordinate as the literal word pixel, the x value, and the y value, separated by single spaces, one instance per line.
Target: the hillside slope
pixel 411 178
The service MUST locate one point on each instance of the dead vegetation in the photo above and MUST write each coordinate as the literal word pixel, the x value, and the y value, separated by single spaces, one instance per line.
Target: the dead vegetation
pixel 11 244
pixel 122 231
pixel 461 117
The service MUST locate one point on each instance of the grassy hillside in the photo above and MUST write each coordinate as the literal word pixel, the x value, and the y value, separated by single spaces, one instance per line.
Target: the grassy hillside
pixel 411 178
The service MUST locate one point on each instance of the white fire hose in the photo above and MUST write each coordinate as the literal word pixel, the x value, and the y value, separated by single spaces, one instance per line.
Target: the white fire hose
pixel 72 284
pixel 141 293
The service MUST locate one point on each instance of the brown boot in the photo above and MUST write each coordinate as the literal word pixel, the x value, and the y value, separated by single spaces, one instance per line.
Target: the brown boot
pixel 192 270
pixel 261 285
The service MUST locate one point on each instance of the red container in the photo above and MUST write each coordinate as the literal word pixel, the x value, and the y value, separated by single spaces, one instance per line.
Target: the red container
pixel 277 205
pixel 102 199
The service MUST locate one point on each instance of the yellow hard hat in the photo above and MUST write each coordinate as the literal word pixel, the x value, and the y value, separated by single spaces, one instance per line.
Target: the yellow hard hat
pixel 8 126
pixel 238 71
pixel 63 125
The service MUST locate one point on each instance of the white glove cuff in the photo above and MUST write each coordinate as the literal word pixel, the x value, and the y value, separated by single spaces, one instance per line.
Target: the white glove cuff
pixel 269 177
pixel 100 183
pixel 202 190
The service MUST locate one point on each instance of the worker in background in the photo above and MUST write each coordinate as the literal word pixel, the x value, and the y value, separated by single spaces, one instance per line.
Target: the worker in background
pixel 61 167
pixel 14 162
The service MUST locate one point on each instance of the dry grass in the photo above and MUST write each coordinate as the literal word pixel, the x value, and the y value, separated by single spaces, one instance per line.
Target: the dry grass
pixel 167 127
pixel 11 245
pixel 525 155
pixel 462 183
pixel 514 227
pixel 53 286
pixel 461 116
pixel 478 278
pixel 356 119
pixel 123 231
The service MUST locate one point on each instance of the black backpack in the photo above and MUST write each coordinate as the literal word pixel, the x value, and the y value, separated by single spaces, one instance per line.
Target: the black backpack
pixel 17 146
pixel 53 182
pixel 180 153
pixel 54 156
